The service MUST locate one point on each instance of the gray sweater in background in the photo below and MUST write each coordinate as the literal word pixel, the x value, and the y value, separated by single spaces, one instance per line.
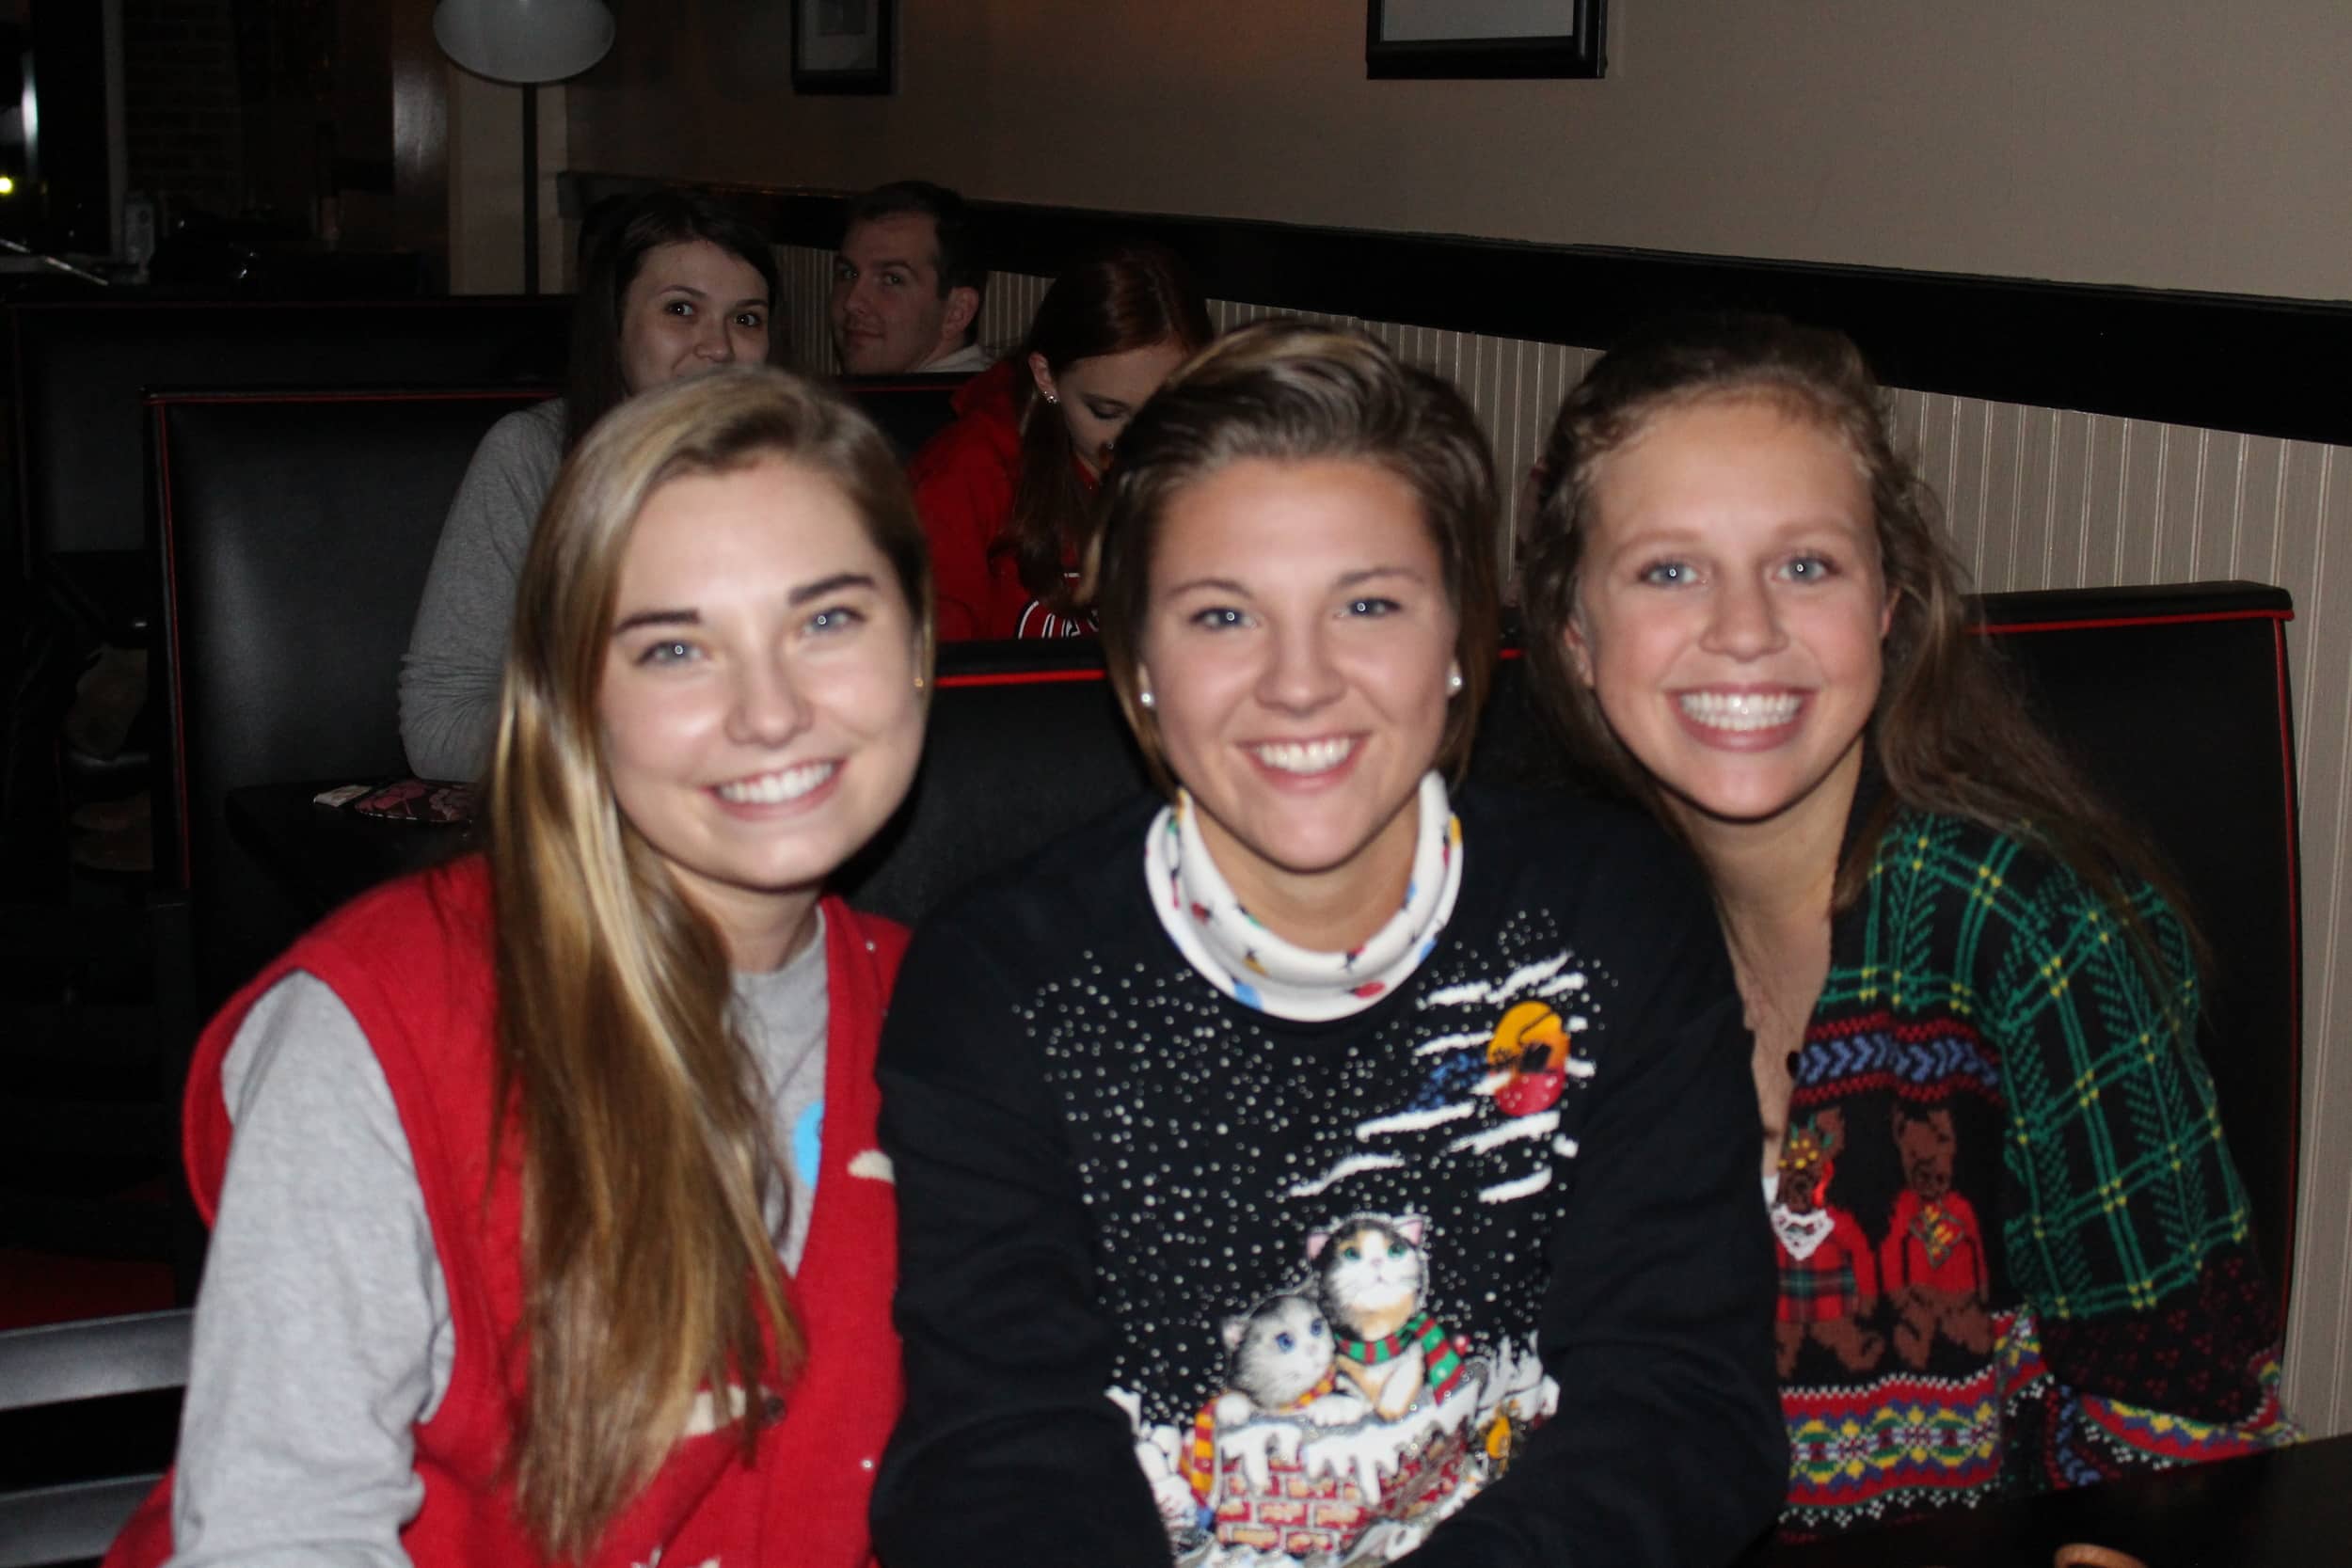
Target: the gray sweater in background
pixel 448 678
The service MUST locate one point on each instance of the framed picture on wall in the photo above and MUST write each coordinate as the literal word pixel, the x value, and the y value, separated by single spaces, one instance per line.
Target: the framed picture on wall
pixel 843 45
pixel 1484 37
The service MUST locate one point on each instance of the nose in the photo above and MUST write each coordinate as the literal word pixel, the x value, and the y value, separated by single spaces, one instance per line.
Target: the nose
pixel 714 338
pixel 1300 674
pixel 1743 621
pixel 766 707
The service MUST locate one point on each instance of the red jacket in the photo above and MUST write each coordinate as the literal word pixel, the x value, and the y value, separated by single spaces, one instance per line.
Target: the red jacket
pixel 964 478
pixel 412 961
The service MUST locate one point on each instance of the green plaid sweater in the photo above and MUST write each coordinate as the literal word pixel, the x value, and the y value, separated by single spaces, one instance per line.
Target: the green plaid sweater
pixel 2007 1155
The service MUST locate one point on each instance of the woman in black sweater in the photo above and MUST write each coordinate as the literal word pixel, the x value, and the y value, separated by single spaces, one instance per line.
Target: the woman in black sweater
pixel 1320 1161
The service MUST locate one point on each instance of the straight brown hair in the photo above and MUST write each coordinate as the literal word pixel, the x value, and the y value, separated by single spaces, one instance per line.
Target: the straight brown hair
pixel 649 1271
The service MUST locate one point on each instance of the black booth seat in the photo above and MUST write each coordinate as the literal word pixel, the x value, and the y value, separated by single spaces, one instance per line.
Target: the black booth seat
pixel 294 532
pixel 296 528
pixel 78 371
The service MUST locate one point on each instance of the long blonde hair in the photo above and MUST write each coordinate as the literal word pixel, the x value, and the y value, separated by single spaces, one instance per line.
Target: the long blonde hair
pixel 645 1137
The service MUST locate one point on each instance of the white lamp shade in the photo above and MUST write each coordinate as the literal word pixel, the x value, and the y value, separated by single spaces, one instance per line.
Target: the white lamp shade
pixel 523 40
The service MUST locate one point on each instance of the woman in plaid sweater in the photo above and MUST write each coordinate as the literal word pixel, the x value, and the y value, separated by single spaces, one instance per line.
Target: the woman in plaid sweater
pixel 2014 1253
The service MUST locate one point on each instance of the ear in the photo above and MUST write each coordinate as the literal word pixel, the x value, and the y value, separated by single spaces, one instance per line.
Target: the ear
pixel 1887 616
pixel 1232 1330
pixel 1579 651
pixel 1410 1228
pixel 1833 1125
pixel 1315 1240
pixel 964 303
pixel 1041 374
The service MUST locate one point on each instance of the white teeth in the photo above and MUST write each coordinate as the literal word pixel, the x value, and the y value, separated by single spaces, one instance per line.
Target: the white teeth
pixel 770 789
pixel 1305 756
pixel 1740 710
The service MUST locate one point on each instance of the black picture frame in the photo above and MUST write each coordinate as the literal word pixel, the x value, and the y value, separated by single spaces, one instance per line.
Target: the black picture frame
pixel 1393 52
pixel 845 45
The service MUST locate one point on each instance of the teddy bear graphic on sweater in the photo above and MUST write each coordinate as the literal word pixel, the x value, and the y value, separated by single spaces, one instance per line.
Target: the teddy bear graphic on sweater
pixel 1932 1262
pixel 1828 1280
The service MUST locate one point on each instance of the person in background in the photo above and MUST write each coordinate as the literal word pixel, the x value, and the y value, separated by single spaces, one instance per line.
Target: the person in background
pixel 548 1223
pixel 2014 1253
pixel 906 284
pixel 672 284
pixel 1325 1129
pixel 1007 491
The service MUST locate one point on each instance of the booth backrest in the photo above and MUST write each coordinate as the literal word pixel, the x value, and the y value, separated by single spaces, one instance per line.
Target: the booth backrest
pixel 910 409
pixel 2173 700
pixel 80 369
pixel 297 527
pixel 294 532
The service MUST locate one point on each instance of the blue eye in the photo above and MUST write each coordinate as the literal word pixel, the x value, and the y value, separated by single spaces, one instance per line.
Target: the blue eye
pixel 1284 1342
pixel 1372 607
pixel 1811 569
pixel 1666 574
pixel 835 618
pixel 1315 1328
pixel 672 651
pixel 1219 619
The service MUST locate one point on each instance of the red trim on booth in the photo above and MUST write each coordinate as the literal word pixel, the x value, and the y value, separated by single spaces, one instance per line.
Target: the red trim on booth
pixel 1020 677
pixel 2103 623
pixel 2294 958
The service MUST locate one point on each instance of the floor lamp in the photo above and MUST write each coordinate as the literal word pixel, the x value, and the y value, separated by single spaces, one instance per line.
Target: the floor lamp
pixel 525 42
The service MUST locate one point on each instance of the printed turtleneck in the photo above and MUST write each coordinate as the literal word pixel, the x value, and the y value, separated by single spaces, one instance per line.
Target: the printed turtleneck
pixel 1222 939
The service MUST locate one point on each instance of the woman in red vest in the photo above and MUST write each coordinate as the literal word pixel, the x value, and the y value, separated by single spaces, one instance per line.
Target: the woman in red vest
pixel 548 1222
pixel 1007 491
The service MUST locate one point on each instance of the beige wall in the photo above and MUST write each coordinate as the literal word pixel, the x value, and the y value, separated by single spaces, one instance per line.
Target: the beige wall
pixel 485 203
pixel 2158 142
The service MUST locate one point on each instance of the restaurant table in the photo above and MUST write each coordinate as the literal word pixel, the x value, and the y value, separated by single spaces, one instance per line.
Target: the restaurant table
pixel 327 855
pixel 2288 1507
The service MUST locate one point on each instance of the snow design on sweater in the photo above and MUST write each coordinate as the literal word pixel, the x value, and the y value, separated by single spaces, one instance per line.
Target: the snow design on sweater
pixel 1362 1201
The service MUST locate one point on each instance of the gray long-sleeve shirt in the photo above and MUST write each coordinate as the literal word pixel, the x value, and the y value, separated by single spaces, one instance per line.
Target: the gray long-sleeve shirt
pixel 323 1331
pixel 449 679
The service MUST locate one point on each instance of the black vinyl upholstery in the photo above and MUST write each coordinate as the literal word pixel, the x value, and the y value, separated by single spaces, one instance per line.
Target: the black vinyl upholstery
pixel 80 369
pixel 295 532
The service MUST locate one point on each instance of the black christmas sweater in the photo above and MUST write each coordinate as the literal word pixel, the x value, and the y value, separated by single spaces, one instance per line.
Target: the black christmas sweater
pixel 1477 1271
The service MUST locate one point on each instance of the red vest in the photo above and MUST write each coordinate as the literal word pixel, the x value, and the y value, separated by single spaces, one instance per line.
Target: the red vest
pixel 412 961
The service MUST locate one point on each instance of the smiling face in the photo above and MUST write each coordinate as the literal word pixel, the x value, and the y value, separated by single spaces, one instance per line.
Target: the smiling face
pixel 1731 609
pixel 889 314
pixel 1097 396
pixel 693 306
pixel 1296 642
pixel 760 713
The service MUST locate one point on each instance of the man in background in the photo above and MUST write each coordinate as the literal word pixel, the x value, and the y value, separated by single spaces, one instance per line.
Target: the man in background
pixel 906 284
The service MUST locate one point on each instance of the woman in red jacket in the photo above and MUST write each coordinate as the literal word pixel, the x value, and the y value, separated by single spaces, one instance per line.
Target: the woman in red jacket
pixel 547 1223
pixel 1005 492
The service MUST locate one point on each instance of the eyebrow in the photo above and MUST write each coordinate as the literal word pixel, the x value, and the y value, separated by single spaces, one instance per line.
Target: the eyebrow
pixel 658 618
pixel 1345 581
pixel 799 595
pixel 760 300
pixel 832 584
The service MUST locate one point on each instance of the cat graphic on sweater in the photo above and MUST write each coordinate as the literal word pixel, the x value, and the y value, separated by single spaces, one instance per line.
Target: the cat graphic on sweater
pixel 1371 1275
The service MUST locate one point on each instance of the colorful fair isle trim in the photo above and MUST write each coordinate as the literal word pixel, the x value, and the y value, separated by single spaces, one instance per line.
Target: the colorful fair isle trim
pixel 1250 964
pixel 1889 1446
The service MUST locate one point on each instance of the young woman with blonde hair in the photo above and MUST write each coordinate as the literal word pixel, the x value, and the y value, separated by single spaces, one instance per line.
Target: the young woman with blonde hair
pixel 546 1220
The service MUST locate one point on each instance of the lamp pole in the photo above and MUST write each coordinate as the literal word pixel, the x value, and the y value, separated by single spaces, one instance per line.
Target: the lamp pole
pixel 525 42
